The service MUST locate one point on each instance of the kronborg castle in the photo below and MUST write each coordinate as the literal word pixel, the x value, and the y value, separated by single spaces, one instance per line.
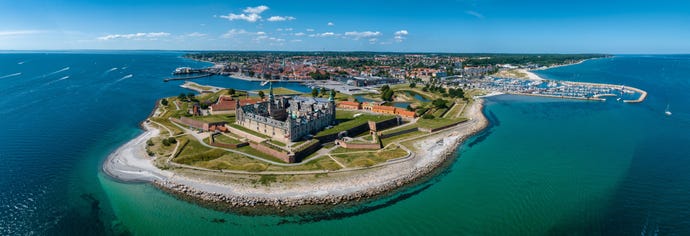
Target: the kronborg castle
pixel 287 119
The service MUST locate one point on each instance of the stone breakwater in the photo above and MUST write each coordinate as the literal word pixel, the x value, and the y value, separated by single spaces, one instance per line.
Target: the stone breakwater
pixel 277 205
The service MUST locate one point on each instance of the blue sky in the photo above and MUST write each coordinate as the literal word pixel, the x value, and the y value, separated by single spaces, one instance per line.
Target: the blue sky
pixel 601 26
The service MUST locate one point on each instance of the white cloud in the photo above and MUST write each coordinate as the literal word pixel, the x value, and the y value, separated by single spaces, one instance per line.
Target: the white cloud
pixel 373 40
pixel 299 34
pixel 330 24
pixel 272 39
pixel 280 18
pixel 255 10
pixel 364 34
pixel 234 32
pixel 250 14
pixel 296 40
pixel 475 14
pixel 288 29
pixel 19 32
pixel 326 34
pixel 260 33
pixel 136 36
pixel 245 17
pixel 400 35
pixel 196 34
pixel 310 30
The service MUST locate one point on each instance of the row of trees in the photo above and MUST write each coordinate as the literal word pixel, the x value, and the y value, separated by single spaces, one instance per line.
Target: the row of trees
pixel 315 92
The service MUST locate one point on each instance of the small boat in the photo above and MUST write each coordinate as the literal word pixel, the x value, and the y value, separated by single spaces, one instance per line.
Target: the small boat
pixel 264 83
pixel 618 99
pixel 667 111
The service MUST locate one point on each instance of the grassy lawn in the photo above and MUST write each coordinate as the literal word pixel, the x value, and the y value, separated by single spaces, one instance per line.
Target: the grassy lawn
pixel 233 161
pixel 198 86
pixel 440 112
pixel 215 118
pixel 399 128
pixel 222 138
pixel 389 140
pixel 212 97
pixel 323 163
pixel 281 91
pixel 365 159
pixel 347 121
pixel 456 110
pixel 438 122
pixel 252 151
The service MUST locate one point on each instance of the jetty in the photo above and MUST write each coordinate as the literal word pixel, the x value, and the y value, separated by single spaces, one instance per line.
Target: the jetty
pixel 187 78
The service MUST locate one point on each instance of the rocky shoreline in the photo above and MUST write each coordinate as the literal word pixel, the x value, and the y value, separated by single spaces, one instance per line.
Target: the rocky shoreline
pixel 302 204
pixel 342 189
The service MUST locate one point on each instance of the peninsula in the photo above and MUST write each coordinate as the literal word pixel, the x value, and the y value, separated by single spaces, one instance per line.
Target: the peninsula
pixel 280 151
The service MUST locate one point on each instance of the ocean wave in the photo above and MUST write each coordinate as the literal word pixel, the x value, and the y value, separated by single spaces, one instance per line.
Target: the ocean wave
pixel 57 71
pixel 11 75
pixel 53 81
pixel 125 77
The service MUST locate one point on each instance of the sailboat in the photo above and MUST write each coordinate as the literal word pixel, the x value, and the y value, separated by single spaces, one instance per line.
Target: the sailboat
pixel 264 83
pixel 667 111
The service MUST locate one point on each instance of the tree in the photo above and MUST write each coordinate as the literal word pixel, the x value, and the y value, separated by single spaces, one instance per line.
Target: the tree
pixel 231 91
pixel 182 96
pixel 190 96
pixel 384 88
pixel 413 85
pixel 314 92
pixel 428 116
pixel 262 95
pixel 323 91
pixel 439 103
pixel 164 102
pixel 172 140
pixel 387 95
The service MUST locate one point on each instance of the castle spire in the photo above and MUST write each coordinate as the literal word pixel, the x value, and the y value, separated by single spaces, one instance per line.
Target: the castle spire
pixel 332 97
pixel 270 91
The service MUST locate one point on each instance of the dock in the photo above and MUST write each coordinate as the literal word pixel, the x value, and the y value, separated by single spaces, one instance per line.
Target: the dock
pixel 187 78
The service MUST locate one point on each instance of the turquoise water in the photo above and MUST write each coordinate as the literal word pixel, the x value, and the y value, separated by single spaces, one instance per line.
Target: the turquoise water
pixel 545 166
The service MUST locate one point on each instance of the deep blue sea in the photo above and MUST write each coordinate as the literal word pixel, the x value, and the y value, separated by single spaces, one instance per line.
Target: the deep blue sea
pixel 545 166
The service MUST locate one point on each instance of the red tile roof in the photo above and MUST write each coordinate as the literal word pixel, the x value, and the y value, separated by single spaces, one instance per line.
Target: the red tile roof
pixel 383 108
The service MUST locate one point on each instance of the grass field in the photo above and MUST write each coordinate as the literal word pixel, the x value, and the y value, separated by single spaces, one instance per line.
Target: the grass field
pixel 438 122
pixel 369 158
pixel 222 138
pixel 347 121
pixel 215 118
pixel 280 91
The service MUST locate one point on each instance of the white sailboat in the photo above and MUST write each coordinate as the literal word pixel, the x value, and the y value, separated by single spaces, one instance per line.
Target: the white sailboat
pixel 667 111
pixel 264 83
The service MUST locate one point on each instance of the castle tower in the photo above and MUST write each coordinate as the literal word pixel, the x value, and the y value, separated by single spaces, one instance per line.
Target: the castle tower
pixel 331 101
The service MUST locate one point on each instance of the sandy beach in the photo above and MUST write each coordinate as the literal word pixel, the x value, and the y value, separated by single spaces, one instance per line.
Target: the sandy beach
pixel 232 191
